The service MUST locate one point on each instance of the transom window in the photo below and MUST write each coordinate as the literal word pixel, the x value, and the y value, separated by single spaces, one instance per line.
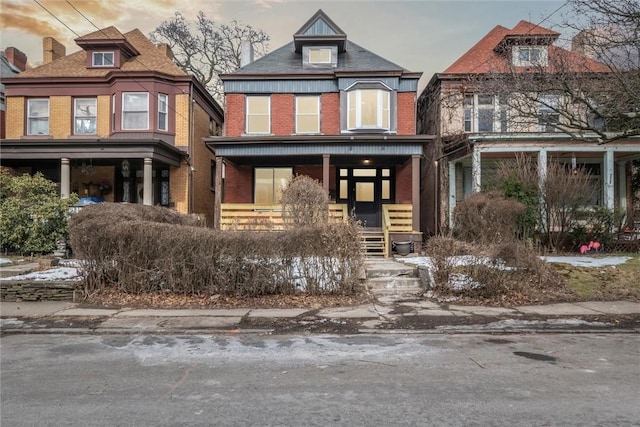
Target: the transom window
pixel 38 116
pixel 483 113
pixel 269 184
pixel 526 56
pixel 135 111
pixel 85 113
pixel 103 59
pixel 162 112
pixel 258 114
pixel 307 114
pixel 368 109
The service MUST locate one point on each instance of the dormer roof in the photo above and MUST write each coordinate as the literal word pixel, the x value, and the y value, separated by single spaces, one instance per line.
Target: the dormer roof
pixel 108 37
pixel 320 30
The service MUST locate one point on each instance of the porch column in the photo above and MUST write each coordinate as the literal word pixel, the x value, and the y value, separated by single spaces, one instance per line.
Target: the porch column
pixel 415 191
pixel 542 182
pixel 217 204
pixel 452 192
pixel 65 178
pixel 609 171
pixel 476 171
pixel 622 186
pixel 147 186
pixel 325 172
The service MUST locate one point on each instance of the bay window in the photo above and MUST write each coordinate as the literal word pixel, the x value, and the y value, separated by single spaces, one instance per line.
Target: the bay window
pixel 135 111
pixel 84 116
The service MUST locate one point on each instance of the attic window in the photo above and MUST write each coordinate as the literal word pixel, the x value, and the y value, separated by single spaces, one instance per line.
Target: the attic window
pixel 103 59
pixel 528 56
pixel 320 56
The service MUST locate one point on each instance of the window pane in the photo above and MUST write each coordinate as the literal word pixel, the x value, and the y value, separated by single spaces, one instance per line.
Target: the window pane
pixel 320 55
pixel 386 172
pixel 85 116
pixel 364 192
pixel 136 101
pixel 351 117
pixel 258 124
pixel 85 107
pixel 386 189
pixel 307 124
pixel 264 186
pixel 38 126
pixel 307 105
pixel 365 172
pixel 344 185
pixel 258 105
pixel 369 107
pixel 344 172
pixel 485 120
pixel 258 120
pixel 135 121
pixel 307 118
pixel 162 112
pixel 485 100
pixel 281 179
pixel 38 108
pixel 85 126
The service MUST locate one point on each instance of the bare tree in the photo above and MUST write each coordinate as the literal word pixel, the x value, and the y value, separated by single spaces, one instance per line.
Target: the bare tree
pixel 207 49
pixel 593 89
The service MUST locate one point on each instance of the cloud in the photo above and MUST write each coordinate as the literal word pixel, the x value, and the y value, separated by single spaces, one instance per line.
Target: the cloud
pixel 21 17
pixel 267 4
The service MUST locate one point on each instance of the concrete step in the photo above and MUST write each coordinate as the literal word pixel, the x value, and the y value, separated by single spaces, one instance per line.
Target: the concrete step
pixel 393 283
pixel 388 268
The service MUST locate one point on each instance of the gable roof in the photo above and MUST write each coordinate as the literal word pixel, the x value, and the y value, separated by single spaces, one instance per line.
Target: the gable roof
pixel 320 29
pixel 149 58
pixel 489 55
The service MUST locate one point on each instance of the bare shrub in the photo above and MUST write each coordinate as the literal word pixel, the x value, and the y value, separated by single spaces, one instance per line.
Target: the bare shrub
pixel 304 202
pixel 487 218
pixel 166 254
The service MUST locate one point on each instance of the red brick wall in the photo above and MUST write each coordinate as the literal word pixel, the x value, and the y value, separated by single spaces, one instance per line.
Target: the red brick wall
pixel 282 114
pixel 403 183
pixel 406 113
pixel 234 114
pixel 330 113
pixel 238 184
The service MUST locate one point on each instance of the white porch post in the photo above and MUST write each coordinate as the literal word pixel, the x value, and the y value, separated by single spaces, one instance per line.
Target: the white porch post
pixel 542 182
pixel 609 171
pixel 476 171
pixel 65 178
pixel 622 186
pixel 452 192
pixel 147 192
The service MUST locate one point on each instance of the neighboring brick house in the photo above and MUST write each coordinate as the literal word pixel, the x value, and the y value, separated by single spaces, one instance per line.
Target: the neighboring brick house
pixel 12 62
pixel 328 108
pixel 116 120
pixel 475 128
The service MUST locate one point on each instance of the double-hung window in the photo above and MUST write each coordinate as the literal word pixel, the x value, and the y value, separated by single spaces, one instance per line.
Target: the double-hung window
pixel 103 59
pixel 528 56
pixel 135 111
pixel 307 114
pixel 269 184
pixel 163 104
pixel 258 118
pixel 480 114
pixel 84 116
pixel 368 109
pixel 38 116
pixel 548 115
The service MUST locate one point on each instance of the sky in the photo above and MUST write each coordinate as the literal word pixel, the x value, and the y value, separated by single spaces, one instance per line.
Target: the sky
pixel 420 35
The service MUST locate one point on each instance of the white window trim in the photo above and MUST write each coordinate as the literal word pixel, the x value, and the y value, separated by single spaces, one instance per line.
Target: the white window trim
pixel 298 114
pixel 475 108
pixel 113 59
pixel 358 124
pixel 133 111
pixel 29 117
pixel 542 61
pixel 246 115
pixel 75 111
pixel 164 97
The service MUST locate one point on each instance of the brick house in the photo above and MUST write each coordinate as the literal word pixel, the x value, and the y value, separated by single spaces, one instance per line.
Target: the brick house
pixel 475 128
pixel 328 108
pixel 116 120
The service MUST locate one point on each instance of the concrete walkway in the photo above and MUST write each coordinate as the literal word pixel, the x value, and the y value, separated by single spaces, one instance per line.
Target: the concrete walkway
pixel 382 316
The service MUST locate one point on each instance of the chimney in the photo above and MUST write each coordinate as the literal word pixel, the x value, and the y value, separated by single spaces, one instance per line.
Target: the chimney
pixel 166 50
pixel 52 50
pixel 16 57
pixel 246 53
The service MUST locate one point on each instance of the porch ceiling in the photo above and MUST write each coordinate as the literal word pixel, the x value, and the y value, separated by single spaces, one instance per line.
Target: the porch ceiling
pixel 25 149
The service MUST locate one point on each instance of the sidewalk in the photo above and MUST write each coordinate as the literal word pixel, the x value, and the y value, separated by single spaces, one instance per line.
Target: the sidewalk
pixel 387 315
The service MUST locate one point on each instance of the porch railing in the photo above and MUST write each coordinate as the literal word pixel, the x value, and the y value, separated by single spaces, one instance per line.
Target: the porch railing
pixel 396 219
pixel 249 216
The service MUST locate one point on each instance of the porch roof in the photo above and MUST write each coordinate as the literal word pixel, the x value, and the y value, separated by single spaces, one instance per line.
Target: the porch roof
pixel 335 145
pixel 45 148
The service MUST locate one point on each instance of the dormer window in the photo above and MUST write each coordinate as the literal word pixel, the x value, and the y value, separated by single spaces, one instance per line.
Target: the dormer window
pixel 529 56
pixel 103 59
pixel 320 56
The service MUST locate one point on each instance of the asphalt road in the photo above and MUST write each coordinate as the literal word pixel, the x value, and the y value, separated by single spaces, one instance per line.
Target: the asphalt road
pixel 321 380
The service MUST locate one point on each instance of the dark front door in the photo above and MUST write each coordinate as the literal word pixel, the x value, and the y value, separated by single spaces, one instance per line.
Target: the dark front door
pixel 364 190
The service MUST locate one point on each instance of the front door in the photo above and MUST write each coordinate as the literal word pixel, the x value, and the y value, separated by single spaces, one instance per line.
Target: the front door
pixel 364 190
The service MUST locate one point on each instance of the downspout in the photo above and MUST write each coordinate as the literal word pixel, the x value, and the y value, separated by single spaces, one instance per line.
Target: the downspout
pixel 190 150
